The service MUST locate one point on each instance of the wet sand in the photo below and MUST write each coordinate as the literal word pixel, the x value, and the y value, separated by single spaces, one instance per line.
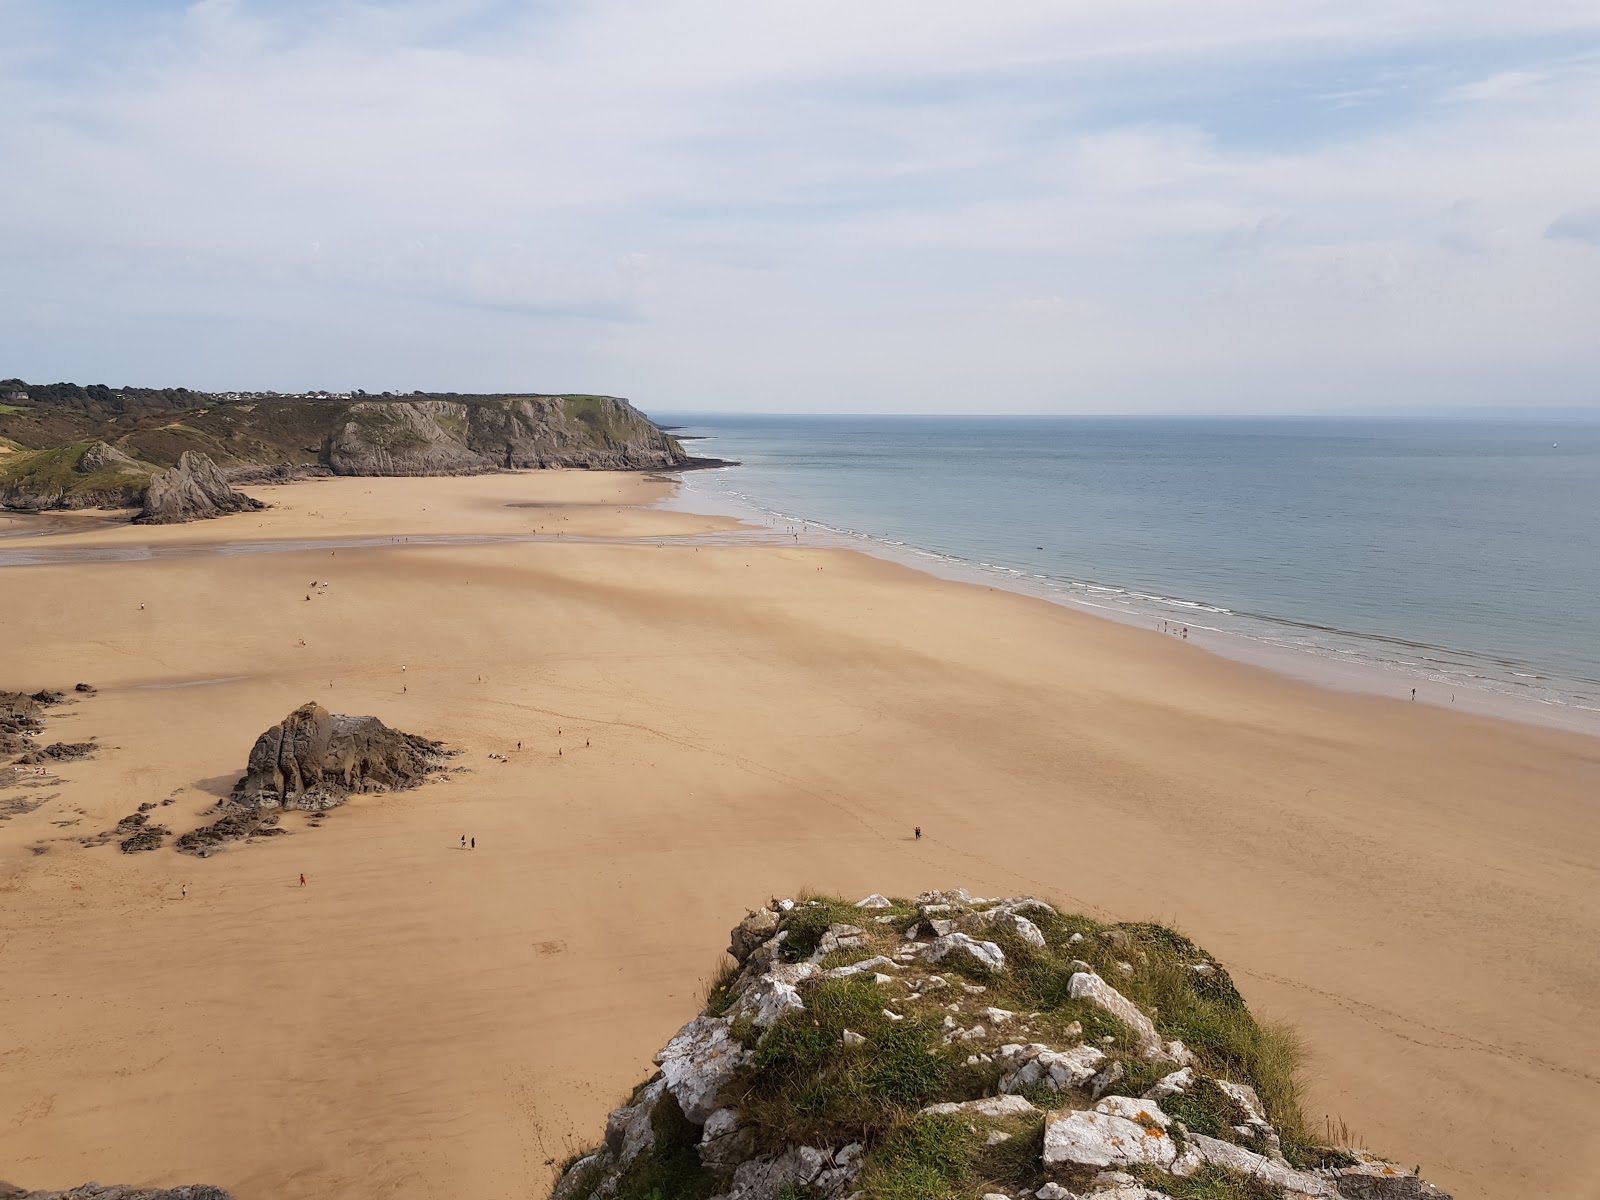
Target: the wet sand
pixel 1415 888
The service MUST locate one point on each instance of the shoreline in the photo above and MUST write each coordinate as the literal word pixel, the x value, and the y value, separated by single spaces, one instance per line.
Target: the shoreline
pixel 665 718
pixel 1321 669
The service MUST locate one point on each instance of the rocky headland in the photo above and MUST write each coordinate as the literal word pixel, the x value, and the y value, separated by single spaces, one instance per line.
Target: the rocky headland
pixel 175 454
pixel 950 1048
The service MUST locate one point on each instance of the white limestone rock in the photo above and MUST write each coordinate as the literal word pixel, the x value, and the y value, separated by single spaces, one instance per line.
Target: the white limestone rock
pixel 861 968
pixel 628 1129
pixel 1037 1065
pixel 1086 985
pixel 725 1142
pixel 1175 1084
pixel 989 1106
pixel 1116 1132
pixel 986 954
pixel 1202 1149
pixel 698 1062
pixel 875 900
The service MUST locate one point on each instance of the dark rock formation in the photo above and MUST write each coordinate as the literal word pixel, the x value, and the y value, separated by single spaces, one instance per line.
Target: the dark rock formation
pixel 88 689
pixel 59 752
pixel 445 437
pixel 145 837
pixel 20 719
pixel 231 827
pixel 313 759
pixel 96 1191
pixel 194 490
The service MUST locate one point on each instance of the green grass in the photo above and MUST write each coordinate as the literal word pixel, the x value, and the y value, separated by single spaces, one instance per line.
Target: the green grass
pixel 808 1085
pixel 1208 1183
pixel 11 410
pixel 807 922
pixel 927 1159
pixel 53 473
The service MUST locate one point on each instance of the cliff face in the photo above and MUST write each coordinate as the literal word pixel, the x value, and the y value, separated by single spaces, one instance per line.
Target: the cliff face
pixel 949 1047
pixel 404 435
pixel 442 437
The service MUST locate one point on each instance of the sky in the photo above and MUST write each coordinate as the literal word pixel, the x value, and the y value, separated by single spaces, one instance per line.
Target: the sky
pixel 1033 206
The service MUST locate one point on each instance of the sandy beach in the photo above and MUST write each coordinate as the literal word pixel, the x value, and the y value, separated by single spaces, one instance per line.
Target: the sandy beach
pixel 705 724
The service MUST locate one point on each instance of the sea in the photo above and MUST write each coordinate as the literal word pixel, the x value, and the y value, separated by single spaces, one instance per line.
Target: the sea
pixel 1453 556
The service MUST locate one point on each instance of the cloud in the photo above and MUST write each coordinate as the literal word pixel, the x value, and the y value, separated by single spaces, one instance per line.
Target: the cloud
pixel 698 202
pixel 1579 225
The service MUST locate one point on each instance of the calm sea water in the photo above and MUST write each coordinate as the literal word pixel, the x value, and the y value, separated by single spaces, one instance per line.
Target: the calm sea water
pixel 1466 553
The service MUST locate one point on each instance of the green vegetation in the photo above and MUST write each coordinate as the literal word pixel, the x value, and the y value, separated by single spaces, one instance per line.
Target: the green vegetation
pixel 11 410
pixel 63 477
pixel 863 1059
pixel 1209 1183
pixel 807 1084
pixel 926 1159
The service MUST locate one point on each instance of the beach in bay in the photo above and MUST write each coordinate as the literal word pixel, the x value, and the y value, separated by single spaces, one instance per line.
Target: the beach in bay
pixel 707 718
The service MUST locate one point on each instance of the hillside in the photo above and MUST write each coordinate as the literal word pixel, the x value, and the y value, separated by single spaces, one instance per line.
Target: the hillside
pixel 356 434
pixel 952 1048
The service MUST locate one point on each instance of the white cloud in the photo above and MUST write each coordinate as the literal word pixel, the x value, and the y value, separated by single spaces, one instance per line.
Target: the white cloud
pixel 720 204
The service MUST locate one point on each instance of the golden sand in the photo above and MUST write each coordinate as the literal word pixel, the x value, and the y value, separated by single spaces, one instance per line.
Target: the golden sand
pixel 704 726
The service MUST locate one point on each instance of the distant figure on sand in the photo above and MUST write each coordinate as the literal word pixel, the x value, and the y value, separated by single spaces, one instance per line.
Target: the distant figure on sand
pixel 185 892
pixel 1413 693
pixel 463 841
pixel 519 745
pixel 302 879
pixel 919 833
pixel 474 843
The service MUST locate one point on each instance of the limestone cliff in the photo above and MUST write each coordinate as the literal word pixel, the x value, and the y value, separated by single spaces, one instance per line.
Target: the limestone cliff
pixel 445 437
pixel 950 1047
pixel 194 490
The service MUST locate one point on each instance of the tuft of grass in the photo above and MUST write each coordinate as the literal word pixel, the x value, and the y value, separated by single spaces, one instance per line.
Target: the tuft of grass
pixel 1208 1183
pixel 1018 1162
pixel 807 922
pixel 1205 1108
pixel 926 1159
pixel 719 994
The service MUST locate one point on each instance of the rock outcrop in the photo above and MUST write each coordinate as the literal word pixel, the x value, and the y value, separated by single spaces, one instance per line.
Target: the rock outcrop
pixel 194 490
pixel 313 759
pixel 871 1050
pixel 445 437
pixel 96 1191
pixel 22 719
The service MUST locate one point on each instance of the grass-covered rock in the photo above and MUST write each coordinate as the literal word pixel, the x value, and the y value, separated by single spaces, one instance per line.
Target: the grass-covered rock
pixel 952 1048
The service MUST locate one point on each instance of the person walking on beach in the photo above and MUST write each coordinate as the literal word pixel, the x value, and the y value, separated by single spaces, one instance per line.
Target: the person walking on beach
pixel 302 879
pixel 463 841
pixel 919 833
pixel 1413 693
pixel 474 843
pixel 184 893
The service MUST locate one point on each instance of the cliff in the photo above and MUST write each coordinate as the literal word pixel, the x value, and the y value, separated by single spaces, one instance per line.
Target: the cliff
pixel 444 437
pixel 420 434
pixel 950 1047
